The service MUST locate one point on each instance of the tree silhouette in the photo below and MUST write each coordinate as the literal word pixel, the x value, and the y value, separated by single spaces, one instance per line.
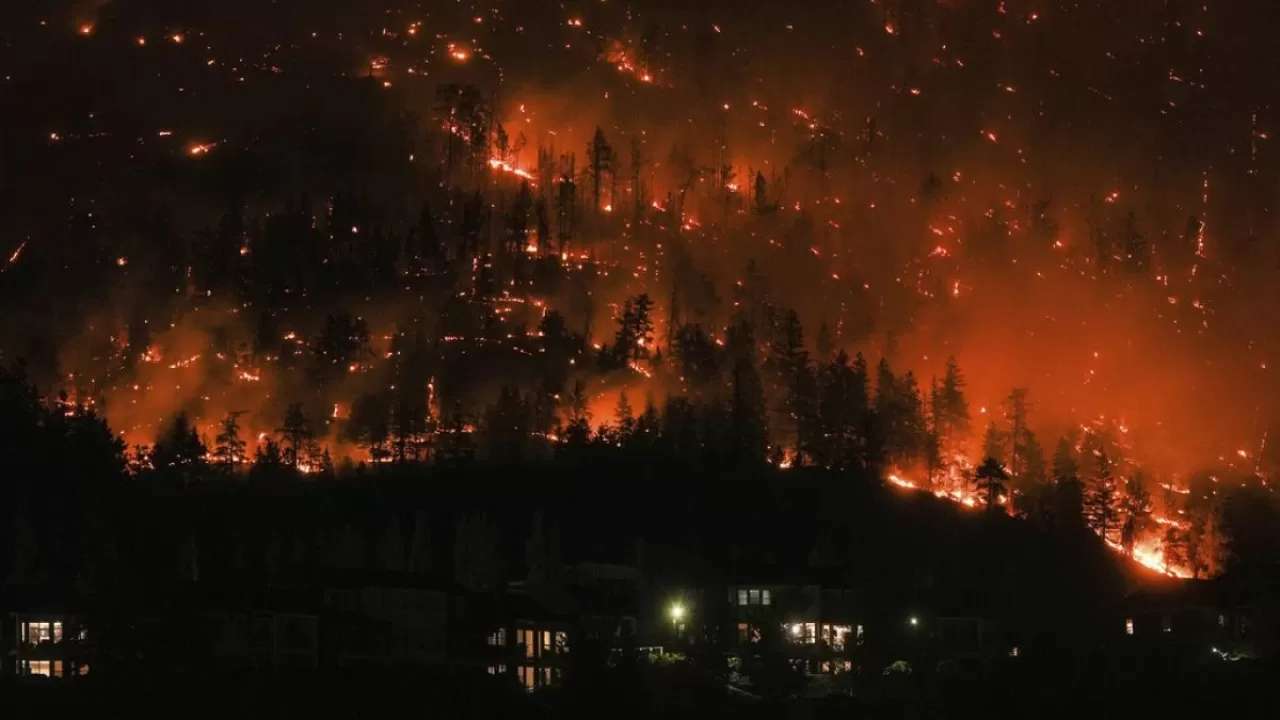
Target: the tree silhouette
pixel 1101 500
pixel 230 449
pixel 1137 512
pixel 179 450
pixel 990 479
pixel 297 437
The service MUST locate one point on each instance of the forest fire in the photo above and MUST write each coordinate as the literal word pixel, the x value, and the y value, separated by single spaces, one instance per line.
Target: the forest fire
pixel 772 226
pixel 506 167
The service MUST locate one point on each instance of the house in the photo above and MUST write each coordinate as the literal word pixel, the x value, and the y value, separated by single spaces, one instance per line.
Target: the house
pixel 527 641
pixel 48 644
pixel 1235 616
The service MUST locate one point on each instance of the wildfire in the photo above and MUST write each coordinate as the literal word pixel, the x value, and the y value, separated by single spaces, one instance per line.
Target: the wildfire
pixel 16 254
pixel 200 149
pixel 507 168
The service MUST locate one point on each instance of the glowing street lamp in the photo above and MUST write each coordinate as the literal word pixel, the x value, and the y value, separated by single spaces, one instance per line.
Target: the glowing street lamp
pixel 676 612
pixel 914 621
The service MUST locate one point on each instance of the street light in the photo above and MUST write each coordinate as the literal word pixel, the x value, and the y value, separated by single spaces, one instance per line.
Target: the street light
pixel 914 621
pixel 677 616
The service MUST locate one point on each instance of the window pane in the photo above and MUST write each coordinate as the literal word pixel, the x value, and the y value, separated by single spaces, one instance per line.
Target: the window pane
pixel 767 599
pixel 57 632
pixel 755 597
pixel 742 597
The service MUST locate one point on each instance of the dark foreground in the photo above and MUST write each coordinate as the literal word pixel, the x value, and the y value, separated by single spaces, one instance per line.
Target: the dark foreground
pixel 1237 690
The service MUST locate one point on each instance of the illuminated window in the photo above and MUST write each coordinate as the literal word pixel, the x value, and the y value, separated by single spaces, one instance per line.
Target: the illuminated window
pixel 498 638
pixel 546 642
pixel 497 669
pixel 835 635
pixel 755 597
pixel 527 676
pixel 1128 626
pixel 38 632
pixel 47 668
pixel 742 597
pixel 528 639
pixel 562 642
pixel 546 676
pixel 765 597
pixel 743 632
pixel 1222 620
pixel 859 634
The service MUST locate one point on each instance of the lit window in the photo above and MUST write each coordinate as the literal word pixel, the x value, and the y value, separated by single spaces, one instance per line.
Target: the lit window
pixel 835 635
pixel 546 676
pixel 742 597
pixel 497 669
pixel 498 638
pixel 859 634
pixel 46 668
pixel 38 632
pixel 562 642
pixel 528 676
pixel 1013 652
pixel 1222 620
pixel 755 597
pixel 765 596
pixel 1128 626
pixel 546 642
pixel 528 640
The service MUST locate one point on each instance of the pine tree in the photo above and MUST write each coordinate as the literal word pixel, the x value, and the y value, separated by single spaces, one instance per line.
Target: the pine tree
pixel 990 478
pixel 1174 549
pixel 1137 512
pixel 1101 501
pixel 1208 543
pixel 952 410
pixel 578 431
pixel 369 426
pixel 1016 410
pixel 633 340
pixel 230 449
pixel 297 436
pixel 600 155
pixel 994 442
pixel 180 450
pixel 507 425
pixel 824 343
pixel 748 430
pixel 1068 496
pixel 842 411
pixel 624 419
